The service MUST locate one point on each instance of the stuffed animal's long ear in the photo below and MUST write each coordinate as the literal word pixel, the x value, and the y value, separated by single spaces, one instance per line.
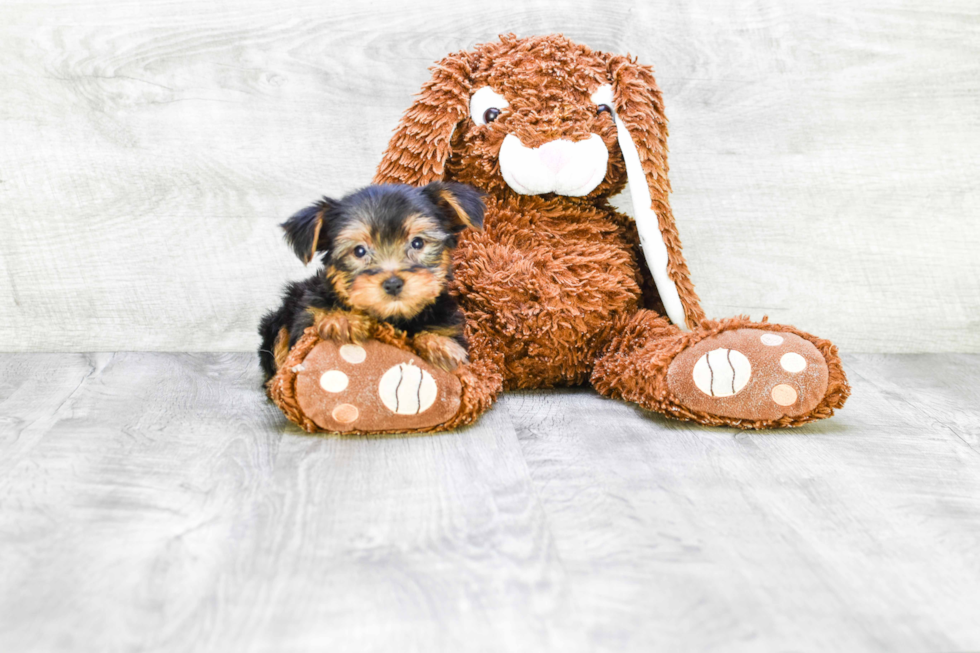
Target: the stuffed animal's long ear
pixel 461 205
pixel 304 230
pixel 642 134
pixel 421 145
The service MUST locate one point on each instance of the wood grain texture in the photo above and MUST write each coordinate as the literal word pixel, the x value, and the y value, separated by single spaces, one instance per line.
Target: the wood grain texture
pixel 157 502
pixel 162 504
pixel 860 533
pixel 824 155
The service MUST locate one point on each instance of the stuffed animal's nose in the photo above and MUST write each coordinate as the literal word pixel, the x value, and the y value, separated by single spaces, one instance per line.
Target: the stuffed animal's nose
pixel 556 154
pixel 392 285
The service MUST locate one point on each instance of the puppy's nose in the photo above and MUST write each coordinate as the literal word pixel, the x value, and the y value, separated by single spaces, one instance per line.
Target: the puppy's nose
pixel 392 285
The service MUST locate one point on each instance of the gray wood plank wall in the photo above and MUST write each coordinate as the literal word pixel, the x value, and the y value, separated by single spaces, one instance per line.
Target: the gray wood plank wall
pixel 825 155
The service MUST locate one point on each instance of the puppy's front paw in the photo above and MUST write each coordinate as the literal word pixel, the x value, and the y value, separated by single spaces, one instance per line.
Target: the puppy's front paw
pixel 443 352
pixel 342 326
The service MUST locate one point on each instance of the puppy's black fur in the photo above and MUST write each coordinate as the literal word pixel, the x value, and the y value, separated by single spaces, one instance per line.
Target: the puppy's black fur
pixel 386 253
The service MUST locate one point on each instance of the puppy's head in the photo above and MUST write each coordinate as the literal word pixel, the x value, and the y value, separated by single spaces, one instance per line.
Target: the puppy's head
pixel 387 249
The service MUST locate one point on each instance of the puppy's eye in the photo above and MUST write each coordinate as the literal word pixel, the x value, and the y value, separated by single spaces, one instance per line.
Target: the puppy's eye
pixel 486 105
pixel 360 251
pixel 417 243
pixel 603 108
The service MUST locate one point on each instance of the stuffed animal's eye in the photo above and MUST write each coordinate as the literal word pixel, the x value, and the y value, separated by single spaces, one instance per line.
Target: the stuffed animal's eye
pixel 360 251
pixel 603 100
pixel 417 243
pixel 486 105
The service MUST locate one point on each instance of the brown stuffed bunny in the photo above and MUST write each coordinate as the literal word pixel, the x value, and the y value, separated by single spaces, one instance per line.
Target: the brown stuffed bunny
pixel 560 288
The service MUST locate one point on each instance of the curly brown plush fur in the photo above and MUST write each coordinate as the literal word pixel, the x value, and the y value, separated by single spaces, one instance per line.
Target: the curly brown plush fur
pixel 556 290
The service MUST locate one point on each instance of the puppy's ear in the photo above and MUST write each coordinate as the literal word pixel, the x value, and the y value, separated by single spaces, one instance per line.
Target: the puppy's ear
pixel 461 205
pixel 304 231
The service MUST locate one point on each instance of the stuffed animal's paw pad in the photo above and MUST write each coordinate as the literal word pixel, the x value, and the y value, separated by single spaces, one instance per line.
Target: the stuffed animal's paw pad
pixel 407 389
pixel 722 372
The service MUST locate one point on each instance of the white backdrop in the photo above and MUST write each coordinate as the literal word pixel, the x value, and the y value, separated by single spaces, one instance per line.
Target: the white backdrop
pixel 825 157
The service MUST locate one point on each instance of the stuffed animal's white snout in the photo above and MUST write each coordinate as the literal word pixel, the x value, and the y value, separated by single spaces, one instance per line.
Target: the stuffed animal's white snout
pixel 564 167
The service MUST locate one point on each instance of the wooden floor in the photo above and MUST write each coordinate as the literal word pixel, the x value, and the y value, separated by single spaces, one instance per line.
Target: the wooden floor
pixel 158 502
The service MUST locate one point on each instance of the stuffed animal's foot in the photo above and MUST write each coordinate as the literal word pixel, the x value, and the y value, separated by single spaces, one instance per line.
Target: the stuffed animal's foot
pixel 728 372
pixel 377 386
pixel 750 374
pixel 372 387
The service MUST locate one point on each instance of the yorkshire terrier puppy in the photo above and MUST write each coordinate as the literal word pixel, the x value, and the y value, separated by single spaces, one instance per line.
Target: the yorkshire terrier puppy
pixel 386 253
